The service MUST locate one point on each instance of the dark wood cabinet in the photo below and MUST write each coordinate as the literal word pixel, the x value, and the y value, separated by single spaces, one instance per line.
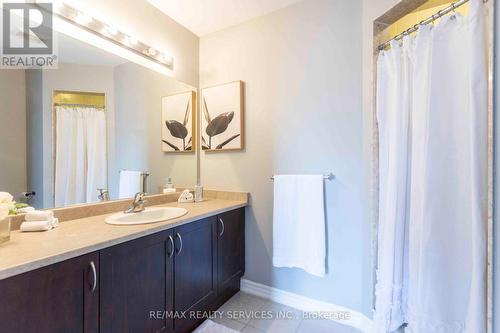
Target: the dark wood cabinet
pixel 195 271
pixel 231 252
pixel 151 284
pixel 60 298
pixel 137 285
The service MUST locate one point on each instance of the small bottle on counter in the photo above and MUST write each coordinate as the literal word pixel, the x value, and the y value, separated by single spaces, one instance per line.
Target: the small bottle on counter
pixel 169 187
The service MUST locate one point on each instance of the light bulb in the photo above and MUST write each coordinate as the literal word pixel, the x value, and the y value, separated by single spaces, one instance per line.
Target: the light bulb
pixel 167 59
pixel 83 19
pixel 112 30
pixel 132 41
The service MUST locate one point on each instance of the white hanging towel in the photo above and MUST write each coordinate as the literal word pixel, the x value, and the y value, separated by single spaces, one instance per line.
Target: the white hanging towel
pixel 299 223
pixel 130 183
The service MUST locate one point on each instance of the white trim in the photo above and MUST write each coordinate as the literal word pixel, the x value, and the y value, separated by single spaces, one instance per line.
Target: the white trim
pixel 356 320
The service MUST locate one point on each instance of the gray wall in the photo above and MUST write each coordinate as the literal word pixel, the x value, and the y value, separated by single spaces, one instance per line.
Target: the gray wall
pixel 138 93
pixel 302 70
pixel 13 133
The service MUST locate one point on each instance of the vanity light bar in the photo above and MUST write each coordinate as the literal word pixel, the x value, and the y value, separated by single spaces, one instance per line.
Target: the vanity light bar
pixel 112 34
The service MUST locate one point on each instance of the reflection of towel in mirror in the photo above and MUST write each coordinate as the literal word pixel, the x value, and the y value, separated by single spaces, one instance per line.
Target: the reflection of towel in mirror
pixel 130 183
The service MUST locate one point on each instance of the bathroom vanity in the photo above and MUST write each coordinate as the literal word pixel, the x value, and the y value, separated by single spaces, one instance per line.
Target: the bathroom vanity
pixel 161 277
pixel 111 120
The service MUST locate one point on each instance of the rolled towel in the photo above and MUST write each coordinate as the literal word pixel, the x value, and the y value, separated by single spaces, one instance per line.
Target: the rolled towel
pixel 55 222
pixel 36 226
pixel 186 196
pixel 39 215
pixel 25 210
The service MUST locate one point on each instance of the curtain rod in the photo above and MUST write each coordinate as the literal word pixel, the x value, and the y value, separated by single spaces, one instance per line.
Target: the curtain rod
pixel 428 20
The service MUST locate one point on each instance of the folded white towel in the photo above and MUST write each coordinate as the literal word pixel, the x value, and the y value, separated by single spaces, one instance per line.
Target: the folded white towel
pixel 299 223
pixel 36 226
pixel 25 210
pixel 39 215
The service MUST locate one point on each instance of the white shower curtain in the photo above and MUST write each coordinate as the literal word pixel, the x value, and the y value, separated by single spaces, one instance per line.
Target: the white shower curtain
pixel 80 154
pixel 393 114
pixel 432 115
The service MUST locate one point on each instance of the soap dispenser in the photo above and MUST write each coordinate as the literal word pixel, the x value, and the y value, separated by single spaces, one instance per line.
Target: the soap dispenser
pixel 169 187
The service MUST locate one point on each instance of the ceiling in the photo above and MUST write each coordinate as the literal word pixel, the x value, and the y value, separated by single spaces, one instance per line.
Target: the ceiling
pixel 206 16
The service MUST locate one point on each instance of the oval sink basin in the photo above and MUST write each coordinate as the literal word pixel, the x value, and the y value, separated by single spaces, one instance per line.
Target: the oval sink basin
pixel 150 215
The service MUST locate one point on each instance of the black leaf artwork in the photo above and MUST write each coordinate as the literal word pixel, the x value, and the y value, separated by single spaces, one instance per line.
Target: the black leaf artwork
pixel 216 126
pixel 174 147
pixel 219 146
pixel 186 116
pixel 205 112
pixel 204 144
pixel 179 130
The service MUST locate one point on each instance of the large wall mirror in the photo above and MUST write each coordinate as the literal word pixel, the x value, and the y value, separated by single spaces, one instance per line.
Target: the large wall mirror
pixel 92 125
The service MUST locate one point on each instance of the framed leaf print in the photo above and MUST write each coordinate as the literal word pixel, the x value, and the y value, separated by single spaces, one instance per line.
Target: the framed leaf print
pixel 222 117
pixel 178 122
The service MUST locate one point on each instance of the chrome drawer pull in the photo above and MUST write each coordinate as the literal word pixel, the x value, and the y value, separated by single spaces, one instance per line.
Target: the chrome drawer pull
pixel 94 276
pixel 171 240
pixel 222 227
pixel 180 243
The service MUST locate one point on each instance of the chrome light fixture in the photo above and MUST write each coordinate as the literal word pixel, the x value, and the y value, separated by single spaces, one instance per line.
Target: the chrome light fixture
pixel 111 33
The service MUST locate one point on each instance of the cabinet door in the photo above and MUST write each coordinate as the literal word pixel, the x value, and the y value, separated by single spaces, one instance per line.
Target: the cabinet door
pixel 137 285
pixel 60 298
pixel 195 271
pixel 231 251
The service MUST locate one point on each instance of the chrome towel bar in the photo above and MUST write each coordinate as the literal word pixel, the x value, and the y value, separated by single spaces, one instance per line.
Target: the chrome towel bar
pixel 329 176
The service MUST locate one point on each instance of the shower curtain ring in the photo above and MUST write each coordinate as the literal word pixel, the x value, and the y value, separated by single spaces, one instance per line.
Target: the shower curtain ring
pixel 453 12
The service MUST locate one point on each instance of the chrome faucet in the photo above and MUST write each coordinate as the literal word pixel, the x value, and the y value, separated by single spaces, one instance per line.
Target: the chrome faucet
pixel 103 194
pixel 138 204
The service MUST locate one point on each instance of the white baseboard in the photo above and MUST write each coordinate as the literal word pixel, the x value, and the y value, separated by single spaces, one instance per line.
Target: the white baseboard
pixel 356 319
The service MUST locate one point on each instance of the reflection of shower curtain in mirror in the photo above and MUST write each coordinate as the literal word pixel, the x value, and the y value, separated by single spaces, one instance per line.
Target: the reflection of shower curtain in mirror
pixel 80 154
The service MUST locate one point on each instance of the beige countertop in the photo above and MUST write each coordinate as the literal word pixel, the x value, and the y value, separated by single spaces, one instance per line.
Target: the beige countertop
pixel 27 251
